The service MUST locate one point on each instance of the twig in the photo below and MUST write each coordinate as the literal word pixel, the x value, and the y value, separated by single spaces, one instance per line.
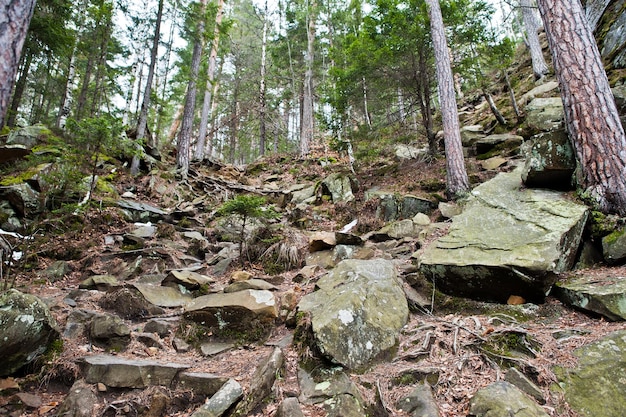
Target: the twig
pixel 381 398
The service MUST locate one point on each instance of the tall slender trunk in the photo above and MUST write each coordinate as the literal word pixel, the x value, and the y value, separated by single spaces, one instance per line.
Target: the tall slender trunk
pixel 532 25
pixel 422 81
pixel 168 54
pixel 456 177
pixel 307 123
pixel 262 87
pixel 591 115
pixel 207 105
pixel 516 109
pixel 143 114
pixel 184 136
pixel 494 109
pixel 70 84
pixel 20 86
pixel 14 23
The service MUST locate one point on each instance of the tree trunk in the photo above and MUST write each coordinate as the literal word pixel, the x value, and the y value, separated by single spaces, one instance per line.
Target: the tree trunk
pixel 516 109
pixel 494 109
pixel 207 104
pixel 262 88
pixel 66 104
pixel 143 114
pixel 20 86
pixel 422 81
pixel 591 115
pixel 307 122
pixel 456 177
pixel 540 68
pixel 184 136
pixel 14 21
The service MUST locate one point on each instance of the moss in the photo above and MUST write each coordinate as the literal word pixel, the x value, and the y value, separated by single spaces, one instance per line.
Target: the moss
pixel 18 179
pixel 612 238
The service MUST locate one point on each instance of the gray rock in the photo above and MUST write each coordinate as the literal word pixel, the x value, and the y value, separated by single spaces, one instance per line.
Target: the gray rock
pixel 80 401
pixel 449 210
pixel 303 195
pixel 56 271
pixel 411 205
pixel 163 296
pixel 612 44
pixel 407 152
pixel 595 388
pixel 23 198
pixel 505 143
pixel 321 241
pixel 323 384
pixel 99 282
pixel 188 278
pixel 396 230
pixel 250 284
pixel 606 297
pixel 29 136
pixel 26 330
pixel 550 161
pixel 545 114
pixel 357 312
pixel 141 212
pixel 13 152
pixel 225 398
pixel 158 326
pixel 506 242
pixel 262 382
pixel 213 348
pixel 249 313
pixel 201 383
pixel 109 331
pixel 503 399
pixel 614 246
pixel 129 303
pixel 540 90
pixel 515 377
pixel 339 186
pixel 289 407
pixel 470 134
pixel 117 372
pixel 348 239
pixel 420 402
pixel 345 405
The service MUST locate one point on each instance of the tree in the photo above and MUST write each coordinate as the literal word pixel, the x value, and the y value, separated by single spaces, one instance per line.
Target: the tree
pixel 591 115
pixel 532 25
pixel 14 21
pixel 307 124
pixel 456 176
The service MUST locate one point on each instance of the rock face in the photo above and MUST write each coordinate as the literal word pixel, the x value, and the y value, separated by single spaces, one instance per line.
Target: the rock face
pixel 339 186
pixel 545 114
pixel 606 297
pixel 596 387
pixel 504 399
pixel 614 246
pixel 357 311
pixel 506 242
pixel 550 161
pixel 26 330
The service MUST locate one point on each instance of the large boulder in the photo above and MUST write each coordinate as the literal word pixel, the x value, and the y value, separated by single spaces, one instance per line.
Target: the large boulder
pixel 357 311
pixel 545 114
pixel 504 399
pixel 339 187
pixel 507 241
pixel 29 136
pixel 23 198
pixel 605 296
pixel 596 387
pixel 27 329
pixel 550 161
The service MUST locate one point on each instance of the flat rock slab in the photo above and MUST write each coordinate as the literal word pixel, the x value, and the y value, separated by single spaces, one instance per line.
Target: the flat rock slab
pixel 163 296
pixel 605 295
pixel 507 241
pixel 117 372
pixel 504 399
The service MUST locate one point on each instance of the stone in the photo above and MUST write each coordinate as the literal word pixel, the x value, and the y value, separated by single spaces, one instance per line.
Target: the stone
pixel 80 401
pixel 141 212
pixel 612 44
pixel 129 303
pixel 321 385
pixel 339 186
pixel 99 282
pixel 493 163
pixel 214 348
pixel 163 296
pixel 345 405
pixel 262 382
pixel 118 372
pixel 23 198
pixel 241 276
pixel 56 271
pixel 596 386
pixel 319 241
pixel 614 246
pixel 158 326
pixel 507 241
pixel 201 383
pixel 521 381
pixel 396 230
pixel 470 134
pixel 605 296
pixel 251 284
pixel 357 311
pixel 289 407
pixel 349 239
pixel 218 404
pixel 187 278
pixel 109 331
pixel 29 136
pixel 419 402
pixel 540 90
pixel 449 210
pixel 504 144
pixel 150 340
pixel 421 219
pixel 550 161
pixel 503 399
pixel 408 152
pixel 545 114
pixel 411 205
pixel 27 330
pixel 13 152
pixel 249 313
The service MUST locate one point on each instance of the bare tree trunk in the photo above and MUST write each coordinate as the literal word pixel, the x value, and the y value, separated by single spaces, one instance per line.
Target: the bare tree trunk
pixel 540 68
pixel 68 98
pixel 366 110
pixel 20 86
pixel 456 177
pixel 422 81
pixel 14 21
pixel 207 104
pixel 307 122
pixel 516 109
pixel 590 112
pixel 184 136
pixel 143 114
pixel 262 88
pixel 494 108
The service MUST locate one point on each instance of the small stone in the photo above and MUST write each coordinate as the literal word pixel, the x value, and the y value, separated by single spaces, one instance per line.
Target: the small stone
pixel 101 387
pixel 515 300
pixel 240 276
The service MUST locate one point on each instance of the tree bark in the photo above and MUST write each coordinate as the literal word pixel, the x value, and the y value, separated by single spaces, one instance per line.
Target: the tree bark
pixel 20 86
pixel 307 121
pixel 456 176
pixel 145 105
pixel 184 136
pixel 263 87
pixel 207 104
pixel 15 17
pixel 540 68
pixel 591 115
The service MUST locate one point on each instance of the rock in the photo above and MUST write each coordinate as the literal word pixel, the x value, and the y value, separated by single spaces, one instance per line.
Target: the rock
pixel 503 399
pixel 99 282
pixel 213 348
pixel 504 144
pixel 396 230
pixel 201 383
pixel 357 311
pixel 345 405
pixel 262 382
pixel 251 284
pixel 515 377
pixel 80 401
pixel 408 152
pixel 411 205
pixel 27 330
pixel 612 44
pixel 109 331
pixel 303 195
pixel 218 404
pixel 545 114
pixel 321 241
pixel 348 239
pixel 420 402
pixel 427 375
pixel 550 161
pixel 605 295
pixel 23 198
pixel 13 152
pixel 507 241
pixel 141 212
pixel 241 276
pixel 320 385
pixel 289 407
pixel 470 134
pixel 158 326
pixel 117 372
pixel 249 313
pixel 162 296
pixel 29 136
pixel 595 387
pixel 539 91
pixel 493 163
pixel 339 186
pixel 187 278
pixel 389 207
pixel 56 271
pixel 449 210
pixel 421 219
pixel 614 246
